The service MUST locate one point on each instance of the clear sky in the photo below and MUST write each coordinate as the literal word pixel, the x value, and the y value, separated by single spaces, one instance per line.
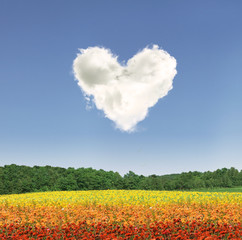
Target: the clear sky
pixel 43 116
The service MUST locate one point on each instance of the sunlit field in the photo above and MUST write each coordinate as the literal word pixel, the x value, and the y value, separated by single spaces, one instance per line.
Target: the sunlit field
pixel 120 214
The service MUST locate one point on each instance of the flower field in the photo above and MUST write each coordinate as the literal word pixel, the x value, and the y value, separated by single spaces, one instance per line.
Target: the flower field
pixel 121 214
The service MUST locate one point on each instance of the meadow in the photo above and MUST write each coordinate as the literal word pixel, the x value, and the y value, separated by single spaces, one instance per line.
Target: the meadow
pixel 231 189
pixel 121 214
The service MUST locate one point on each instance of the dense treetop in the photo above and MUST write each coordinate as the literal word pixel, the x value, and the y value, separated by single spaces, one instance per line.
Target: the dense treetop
pixel 22 179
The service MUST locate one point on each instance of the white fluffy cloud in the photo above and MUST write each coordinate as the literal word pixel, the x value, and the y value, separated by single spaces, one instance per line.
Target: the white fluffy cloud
pixel 124 92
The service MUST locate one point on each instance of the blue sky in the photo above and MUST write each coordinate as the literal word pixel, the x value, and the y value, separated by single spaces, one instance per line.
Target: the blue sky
pixel 43 116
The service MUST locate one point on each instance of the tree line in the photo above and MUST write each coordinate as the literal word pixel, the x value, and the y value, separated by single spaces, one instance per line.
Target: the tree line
pixel 23 179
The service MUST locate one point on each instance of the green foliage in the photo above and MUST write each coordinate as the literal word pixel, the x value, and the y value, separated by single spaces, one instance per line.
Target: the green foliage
pixel 22 179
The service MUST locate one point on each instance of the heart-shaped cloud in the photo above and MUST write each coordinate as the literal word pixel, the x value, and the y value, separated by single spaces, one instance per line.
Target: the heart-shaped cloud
pixel 124 92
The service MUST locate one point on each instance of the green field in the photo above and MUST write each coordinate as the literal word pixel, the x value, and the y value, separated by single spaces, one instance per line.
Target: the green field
pixel 234 189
